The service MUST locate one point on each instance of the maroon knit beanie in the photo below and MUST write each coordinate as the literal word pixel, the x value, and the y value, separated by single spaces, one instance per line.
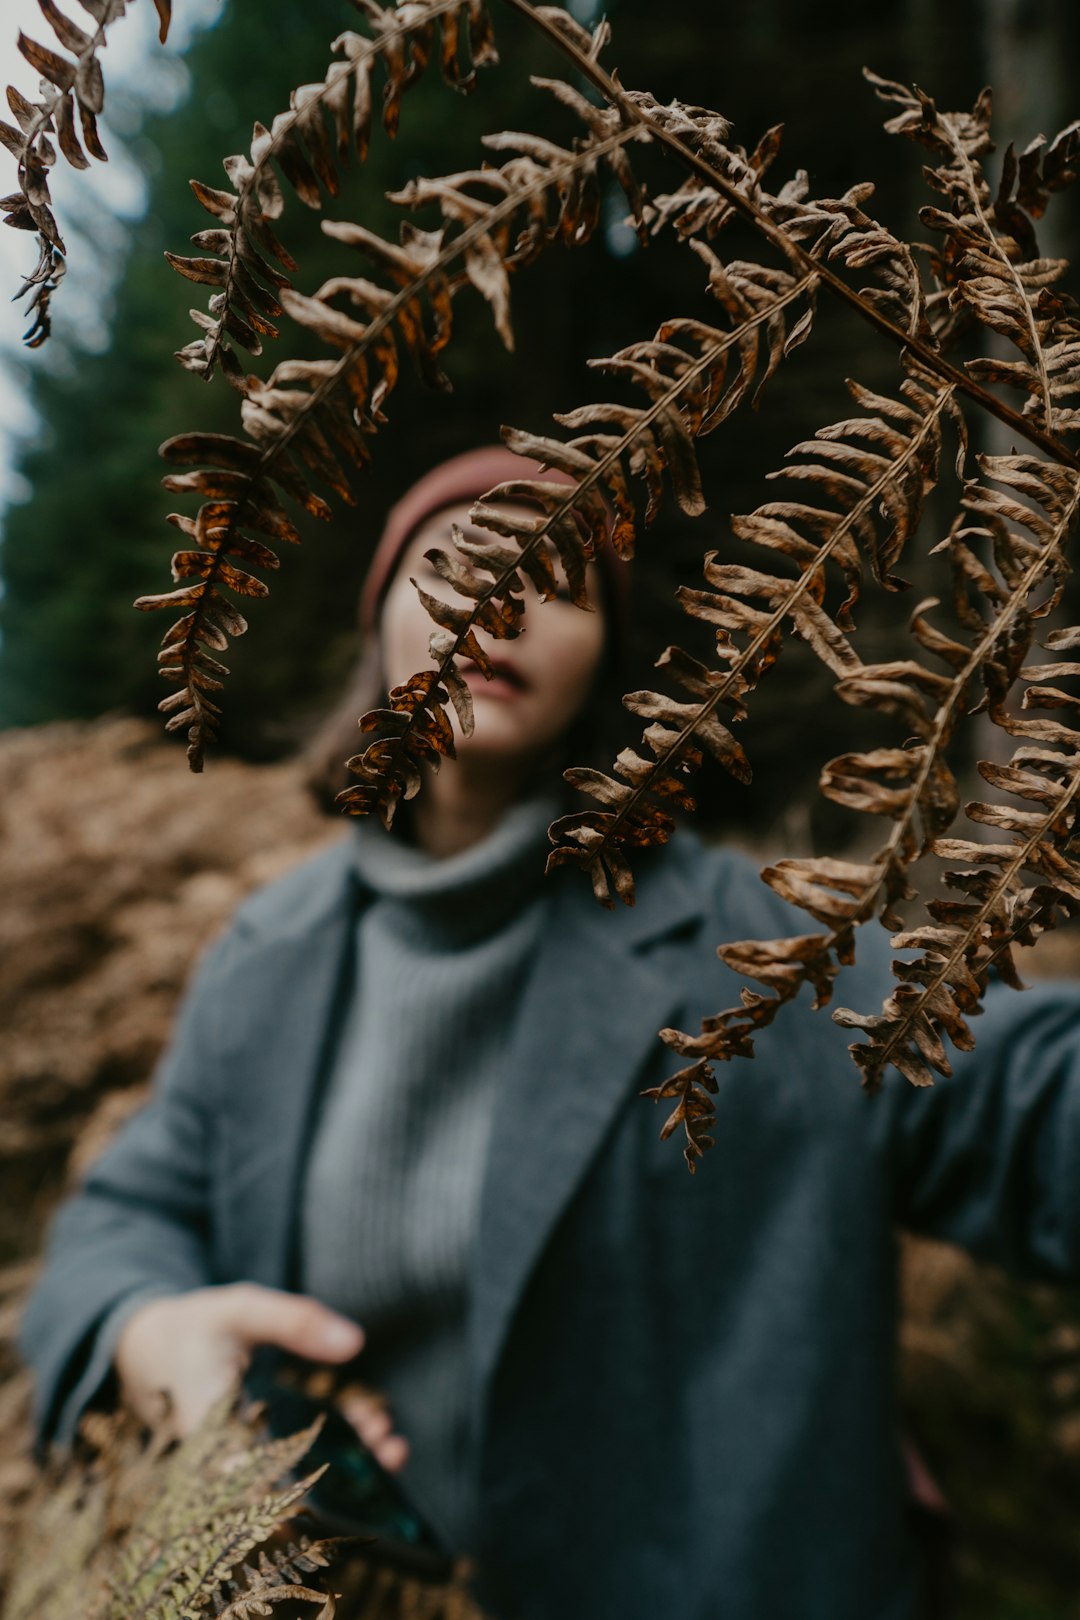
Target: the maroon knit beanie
pixel 466 478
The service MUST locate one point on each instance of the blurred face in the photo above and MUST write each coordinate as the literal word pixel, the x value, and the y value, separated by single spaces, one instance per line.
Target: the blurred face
pixel 542 677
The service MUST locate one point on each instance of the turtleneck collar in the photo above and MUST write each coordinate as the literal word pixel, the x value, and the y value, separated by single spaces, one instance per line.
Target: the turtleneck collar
pixel 479 887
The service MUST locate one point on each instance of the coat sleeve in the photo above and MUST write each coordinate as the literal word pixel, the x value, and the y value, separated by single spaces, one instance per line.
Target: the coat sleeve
pixel 990 1157
pixel 138 1227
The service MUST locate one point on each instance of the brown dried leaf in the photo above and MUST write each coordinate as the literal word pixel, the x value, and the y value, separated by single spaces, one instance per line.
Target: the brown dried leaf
pixel 70 35
pixel 57 69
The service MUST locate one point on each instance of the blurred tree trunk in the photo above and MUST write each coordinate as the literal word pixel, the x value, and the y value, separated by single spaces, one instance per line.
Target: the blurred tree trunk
pixel 1026 60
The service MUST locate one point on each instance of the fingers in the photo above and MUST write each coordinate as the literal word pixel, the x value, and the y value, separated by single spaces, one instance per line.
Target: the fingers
pixel 293 1322
pixel 392 1453
pixel 372 1422
pixel 177 1355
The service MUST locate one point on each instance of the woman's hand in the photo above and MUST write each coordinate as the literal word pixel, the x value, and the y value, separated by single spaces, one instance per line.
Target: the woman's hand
pixel 369 1415
pixel 192 1348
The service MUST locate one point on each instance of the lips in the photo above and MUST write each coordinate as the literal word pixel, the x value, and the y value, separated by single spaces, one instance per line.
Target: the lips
pixel 504 676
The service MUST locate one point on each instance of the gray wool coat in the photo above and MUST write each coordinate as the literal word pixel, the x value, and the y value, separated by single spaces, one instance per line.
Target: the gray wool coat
pixel 683 1387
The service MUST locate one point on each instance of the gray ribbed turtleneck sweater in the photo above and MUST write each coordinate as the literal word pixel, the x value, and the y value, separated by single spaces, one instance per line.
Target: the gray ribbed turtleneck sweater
pixel 393 1184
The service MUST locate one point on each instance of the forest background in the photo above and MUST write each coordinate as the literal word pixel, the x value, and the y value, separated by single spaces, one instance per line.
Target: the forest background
pixel 993 1371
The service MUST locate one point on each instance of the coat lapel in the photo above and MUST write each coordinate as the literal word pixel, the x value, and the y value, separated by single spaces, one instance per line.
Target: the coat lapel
pixel 296 984
pixel 588 1025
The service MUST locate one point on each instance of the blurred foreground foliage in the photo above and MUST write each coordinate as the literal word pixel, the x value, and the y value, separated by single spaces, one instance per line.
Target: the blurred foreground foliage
pixel 147 1528
pixel 215 1524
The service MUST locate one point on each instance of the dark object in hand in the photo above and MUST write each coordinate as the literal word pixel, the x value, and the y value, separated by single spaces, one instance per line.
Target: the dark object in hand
pixel 356 1496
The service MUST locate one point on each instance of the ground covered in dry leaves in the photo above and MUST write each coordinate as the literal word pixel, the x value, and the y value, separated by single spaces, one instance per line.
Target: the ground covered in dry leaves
pixel 117 866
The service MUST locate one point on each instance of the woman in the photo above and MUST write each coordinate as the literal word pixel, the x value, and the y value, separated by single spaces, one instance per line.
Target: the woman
pixel 400 1120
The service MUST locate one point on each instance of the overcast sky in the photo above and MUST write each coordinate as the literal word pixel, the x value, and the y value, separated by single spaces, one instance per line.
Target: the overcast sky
pixel 136 69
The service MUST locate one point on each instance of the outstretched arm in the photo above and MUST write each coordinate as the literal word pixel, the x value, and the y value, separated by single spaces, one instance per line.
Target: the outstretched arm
pixel 990 1158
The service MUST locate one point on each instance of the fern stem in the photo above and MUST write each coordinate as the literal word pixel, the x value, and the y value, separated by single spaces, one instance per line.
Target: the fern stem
pixel 1024 300
pixel 791 249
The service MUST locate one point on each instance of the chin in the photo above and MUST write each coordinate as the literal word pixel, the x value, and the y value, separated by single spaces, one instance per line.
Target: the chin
pixel 491 750
pixel 494 746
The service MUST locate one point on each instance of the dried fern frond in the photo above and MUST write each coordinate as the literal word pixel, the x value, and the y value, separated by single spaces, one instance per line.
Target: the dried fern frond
pixel 1000 606
pixel 839 231
pixel 991 266
pixel 134 1528
pixel 279 1576
pixel 1033 877
pixel 198 1564
pixel 813 235
pixel 700 161
pixel 831 230
pixel 416 726
pixel 696 211
pixel 866 479
pixel 311 420
pixel 72 92
pixel 308 144
pixel 694 376
pixel 315 417
pixel 213 1477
